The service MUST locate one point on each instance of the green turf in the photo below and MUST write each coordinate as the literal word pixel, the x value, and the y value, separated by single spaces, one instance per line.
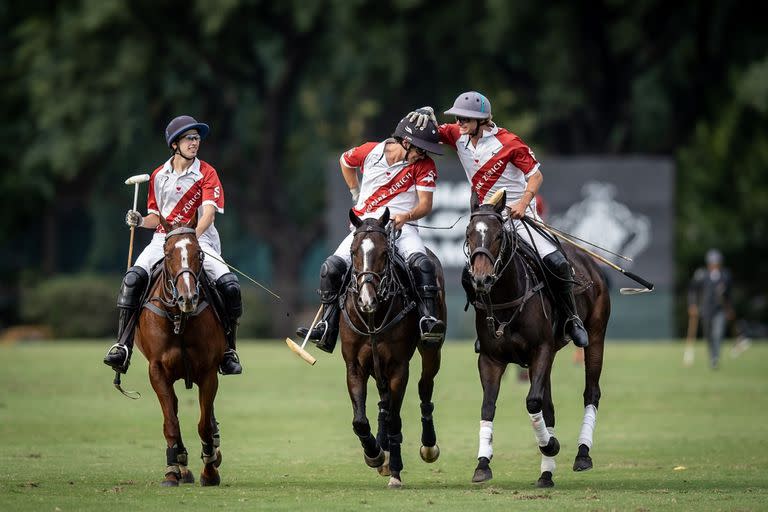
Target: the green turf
pixel 667 438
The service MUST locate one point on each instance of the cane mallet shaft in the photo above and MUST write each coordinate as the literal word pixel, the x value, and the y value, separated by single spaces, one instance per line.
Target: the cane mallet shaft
pixel 299 350
pixel 135 181
pixel 624 291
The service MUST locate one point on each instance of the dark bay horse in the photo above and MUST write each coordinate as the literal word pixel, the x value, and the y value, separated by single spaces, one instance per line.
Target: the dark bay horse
pixel 379 336
pixel 518 322
pixel 182 338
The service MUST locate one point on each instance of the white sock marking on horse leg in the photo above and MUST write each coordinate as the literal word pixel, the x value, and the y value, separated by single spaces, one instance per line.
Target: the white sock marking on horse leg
pixel 539 428
pixel 486 440
pixel 588 426
pixel 548 463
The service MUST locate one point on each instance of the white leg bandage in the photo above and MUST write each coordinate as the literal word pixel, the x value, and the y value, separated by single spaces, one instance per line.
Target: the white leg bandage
pixel 548 463
pixel 486 440
pixel 588 426
pixel 539 428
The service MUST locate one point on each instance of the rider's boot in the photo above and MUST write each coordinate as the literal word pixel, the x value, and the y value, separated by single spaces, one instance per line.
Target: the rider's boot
pixel 562 282
pixel 425 278
pixel 128 302
pixel 325 333
pixel 229 288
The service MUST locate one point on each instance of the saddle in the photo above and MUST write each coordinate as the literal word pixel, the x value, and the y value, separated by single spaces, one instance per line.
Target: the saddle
pixel 210 296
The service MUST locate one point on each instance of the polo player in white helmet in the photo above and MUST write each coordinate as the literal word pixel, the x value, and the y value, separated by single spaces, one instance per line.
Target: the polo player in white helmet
pixel 496 159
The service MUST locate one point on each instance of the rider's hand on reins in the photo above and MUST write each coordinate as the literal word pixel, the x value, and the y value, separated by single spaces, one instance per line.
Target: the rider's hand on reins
pixel 400 219
pixel 517 210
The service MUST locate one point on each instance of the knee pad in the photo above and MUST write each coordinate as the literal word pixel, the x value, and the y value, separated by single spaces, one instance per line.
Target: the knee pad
pixel 331 277
pixel 229 287
pixel 557 262
pixel 420 261
pixel 133 286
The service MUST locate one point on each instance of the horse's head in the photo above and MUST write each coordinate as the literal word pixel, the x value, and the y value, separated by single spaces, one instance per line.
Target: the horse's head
pixel 370 260
pixel 183 264
pixel 486 241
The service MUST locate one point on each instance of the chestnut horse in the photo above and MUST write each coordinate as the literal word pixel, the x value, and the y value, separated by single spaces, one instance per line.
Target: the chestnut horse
pixel 379 336
pixel 182 338
pixel 518 322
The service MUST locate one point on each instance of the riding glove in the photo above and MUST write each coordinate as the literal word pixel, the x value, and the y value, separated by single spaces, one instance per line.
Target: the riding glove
pixel 134 218
pixel 421 116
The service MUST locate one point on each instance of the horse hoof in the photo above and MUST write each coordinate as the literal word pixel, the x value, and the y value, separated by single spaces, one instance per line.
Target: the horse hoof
pixel 219 458
pixel 395 483
pixel 545 480
pixel 375 462
pixel 169 483
pixel 384 468
pixel 187 477
pixel 429 454
pixel 552 448
pixel 483 471
pixel 208 482
pixel 582 463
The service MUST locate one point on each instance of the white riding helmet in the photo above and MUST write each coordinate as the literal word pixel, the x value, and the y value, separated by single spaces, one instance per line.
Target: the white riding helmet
pixel 471 104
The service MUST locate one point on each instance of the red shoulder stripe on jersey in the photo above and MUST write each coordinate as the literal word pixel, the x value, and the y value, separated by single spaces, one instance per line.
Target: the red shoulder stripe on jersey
pixel 187 205
pixel 487 176
pixel 384 194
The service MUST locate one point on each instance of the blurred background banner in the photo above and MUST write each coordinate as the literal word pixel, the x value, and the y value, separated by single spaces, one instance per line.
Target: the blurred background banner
pixel 622 204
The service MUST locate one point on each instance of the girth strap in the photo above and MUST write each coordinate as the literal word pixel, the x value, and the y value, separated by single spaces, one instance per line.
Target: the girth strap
pixel 163 312
pixel 517 302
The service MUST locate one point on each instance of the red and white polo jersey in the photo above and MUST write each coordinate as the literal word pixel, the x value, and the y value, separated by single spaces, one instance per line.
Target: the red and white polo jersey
pixel 394 186
pixel 500 161
pixel 178 196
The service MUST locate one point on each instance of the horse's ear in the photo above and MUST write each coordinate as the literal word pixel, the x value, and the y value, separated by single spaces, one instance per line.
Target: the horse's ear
pixel 474 201
pixel 193 221
pixel 354 219
pixel 384 220
pixel 166 225
pixel 502 202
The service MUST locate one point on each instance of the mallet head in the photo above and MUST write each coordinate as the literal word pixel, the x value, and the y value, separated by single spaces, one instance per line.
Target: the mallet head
pixel 135 180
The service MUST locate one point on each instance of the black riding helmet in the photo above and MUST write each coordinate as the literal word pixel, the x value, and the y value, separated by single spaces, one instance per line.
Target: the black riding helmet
pixel 426 138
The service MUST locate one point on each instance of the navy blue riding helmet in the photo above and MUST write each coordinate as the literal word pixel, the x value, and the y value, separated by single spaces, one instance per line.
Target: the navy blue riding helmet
pixel 180 125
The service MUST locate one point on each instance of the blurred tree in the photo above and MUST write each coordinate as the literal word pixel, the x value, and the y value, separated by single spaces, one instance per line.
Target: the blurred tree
pixel 90 85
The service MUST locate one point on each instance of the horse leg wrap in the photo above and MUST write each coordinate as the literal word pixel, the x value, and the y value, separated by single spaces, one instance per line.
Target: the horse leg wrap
pixel 367 441
pixel 182 457
pixel 548 463
pixel 395 457
pixel 172 461
pixel 208 453
pixel 382 435
pixel 428 435
pixel 588 426
pixel 486 440
pixel 540 429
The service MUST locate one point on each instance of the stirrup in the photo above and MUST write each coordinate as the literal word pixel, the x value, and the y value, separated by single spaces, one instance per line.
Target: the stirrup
pixel 317 334
pixel 119 352
pixel 576 325
pixel 432 336
pixel 234 363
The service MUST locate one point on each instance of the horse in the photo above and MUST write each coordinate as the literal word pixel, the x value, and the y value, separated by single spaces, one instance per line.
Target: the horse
pixel 183 338
pixel 379 336
pixel 518 322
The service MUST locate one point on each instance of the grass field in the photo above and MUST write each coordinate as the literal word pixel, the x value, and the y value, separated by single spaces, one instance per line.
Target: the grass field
pixel 667 438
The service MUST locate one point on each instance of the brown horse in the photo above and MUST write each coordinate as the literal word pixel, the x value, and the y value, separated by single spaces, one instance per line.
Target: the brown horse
pixel 518 322
pixel 379 336
pixel 182 338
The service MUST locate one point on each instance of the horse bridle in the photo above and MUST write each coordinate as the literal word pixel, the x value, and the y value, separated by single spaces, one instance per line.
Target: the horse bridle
pixel 169 286
pixel 501 261
pixel 386 285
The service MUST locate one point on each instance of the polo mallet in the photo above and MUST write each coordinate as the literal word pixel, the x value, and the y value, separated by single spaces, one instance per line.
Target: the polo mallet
pixel 624 291
pixel 135 181
pixel 299 350
pixel 690 338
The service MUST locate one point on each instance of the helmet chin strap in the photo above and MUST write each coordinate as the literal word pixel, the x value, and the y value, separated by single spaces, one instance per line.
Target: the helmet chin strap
pixel 177 151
